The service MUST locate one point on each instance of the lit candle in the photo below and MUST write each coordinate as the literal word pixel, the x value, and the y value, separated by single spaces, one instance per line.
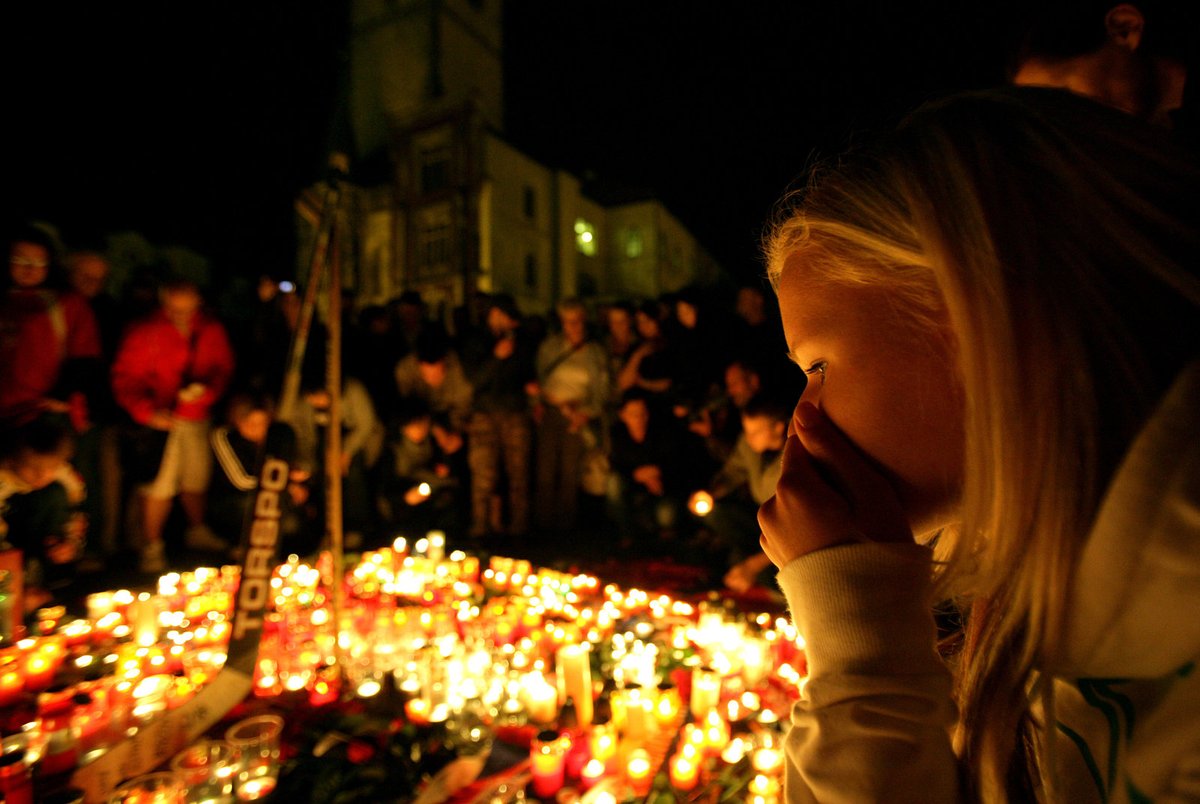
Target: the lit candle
pixel 592 773
pixel 99 604
pixel 637 716
pixel 11 687
pixel 77 632
pixel 764 786
pixel 547 759
pixel 437 538
pixel 540 698
pixel 706 691
pixel 604 742
pixel 638 770
pixel 666 709
pixel 39 671
pixel 417 710
pixel 716 733
pixel 684 773
pixel 575 679
pixel 734 752
pixel 143 619
pixel 767 760
pixel 257 788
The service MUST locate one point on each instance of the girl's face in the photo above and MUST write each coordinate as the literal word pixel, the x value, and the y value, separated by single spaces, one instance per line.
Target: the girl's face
pixel 28 264
pixel 891 388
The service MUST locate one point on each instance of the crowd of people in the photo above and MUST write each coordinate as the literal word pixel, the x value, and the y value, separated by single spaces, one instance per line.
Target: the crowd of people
pixel 135 422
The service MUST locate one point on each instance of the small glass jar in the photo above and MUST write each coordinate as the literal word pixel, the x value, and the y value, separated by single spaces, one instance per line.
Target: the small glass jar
pixel 153 788
pixel 208 768
pixel 16 779
pixel 548 763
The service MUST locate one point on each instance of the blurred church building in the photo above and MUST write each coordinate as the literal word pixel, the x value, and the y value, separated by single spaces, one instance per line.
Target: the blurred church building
pixel 451 206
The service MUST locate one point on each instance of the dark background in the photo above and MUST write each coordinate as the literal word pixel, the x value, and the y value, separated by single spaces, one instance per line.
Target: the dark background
pixel 196 124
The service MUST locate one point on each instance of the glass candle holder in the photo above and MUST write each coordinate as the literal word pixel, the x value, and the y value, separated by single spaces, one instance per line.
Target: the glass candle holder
pixel 208 768
pixel 548 759
pixel 153 788
pixel 706 691
pixel 256 739
pixel 640 771
pixel 574 672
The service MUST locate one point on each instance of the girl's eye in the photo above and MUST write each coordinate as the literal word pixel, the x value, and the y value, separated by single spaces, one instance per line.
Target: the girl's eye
pixel 816 369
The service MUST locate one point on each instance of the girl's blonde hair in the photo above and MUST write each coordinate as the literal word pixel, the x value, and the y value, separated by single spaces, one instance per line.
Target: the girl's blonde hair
pixel 1058 238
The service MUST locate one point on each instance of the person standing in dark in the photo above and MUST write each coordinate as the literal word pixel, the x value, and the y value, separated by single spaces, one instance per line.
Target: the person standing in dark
pixel 237 447
pixel 171 369
pixel 652 469
pixel 572 390
pixel 97 450
pixel 49 344
pixel 499 365
pixel 1119 54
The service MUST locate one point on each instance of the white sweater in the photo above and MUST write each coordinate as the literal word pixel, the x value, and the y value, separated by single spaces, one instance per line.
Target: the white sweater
pixel 873 724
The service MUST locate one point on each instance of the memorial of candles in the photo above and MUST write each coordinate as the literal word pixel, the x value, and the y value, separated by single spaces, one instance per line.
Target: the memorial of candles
pixel 456 646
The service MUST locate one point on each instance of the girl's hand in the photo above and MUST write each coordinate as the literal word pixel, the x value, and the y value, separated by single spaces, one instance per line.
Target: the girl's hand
pixel 828 494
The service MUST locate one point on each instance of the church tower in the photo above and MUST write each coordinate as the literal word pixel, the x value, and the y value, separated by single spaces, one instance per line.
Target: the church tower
pixel 413 60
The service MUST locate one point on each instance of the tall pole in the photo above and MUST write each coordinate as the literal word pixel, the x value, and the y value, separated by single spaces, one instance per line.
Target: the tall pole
pixel 333 440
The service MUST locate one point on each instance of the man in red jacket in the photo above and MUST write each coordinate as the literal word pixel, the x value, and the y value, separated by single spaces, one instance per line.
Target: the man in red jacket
pixel 170 370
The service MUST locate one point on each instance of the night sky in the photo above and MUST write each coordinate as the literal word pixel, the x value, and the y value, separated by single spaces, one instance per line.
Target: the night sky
pixel 196 124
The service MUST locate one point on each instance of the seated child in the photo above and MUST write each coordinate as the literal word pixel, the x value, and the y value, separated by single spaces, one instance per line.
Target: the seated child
pixel 421 489
pixel 651 472
pixel 39 496
pixel 237 447
pixel 729 507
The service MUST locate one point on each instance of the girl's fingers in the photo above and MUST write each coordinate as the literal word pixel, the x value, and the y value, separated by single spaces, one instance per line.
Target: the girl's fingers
pixel 806 513
pixel 847 467
pixel 829 493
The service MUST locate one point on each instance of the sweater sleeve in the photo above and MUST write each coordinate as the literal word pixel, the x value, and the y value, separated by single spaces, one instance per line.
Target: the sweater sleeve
pixel 130 386
pixel 358 415
pixel 873 721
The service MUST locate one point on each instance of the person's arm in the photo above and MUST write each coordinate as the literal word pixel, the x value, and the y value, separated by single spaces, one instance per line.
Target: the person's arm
pixel 873 721
pixel 460 394
pixel 358 414
pixel 734 473
pixel 598 392
pixel 130 386
pixel 216 356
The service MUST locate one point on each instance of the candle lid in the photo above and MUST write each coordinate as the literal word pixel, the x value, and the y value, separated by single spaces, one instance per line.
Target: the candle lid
pixel 12 758
pixel 547 736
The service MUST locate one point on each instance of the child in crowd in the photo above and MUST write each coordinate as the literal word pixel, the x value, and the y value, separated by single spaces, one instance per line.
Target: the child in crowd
pixel 38 494
pixel 651 471
pixel 238 448
pixel 729 506
pixel 422 491
pixel 362 441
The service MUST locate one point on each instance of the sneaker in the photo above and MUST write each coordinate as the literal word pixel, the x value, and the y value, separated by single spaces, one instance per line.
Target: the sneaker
pixel 201 537
pixel 154 558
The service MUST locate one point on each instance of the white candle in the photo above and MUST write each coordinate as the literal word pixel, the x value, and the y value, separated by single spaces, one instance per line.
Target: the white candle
pixel 143 618
pixel 575 679
pixel 540 697
pixel 706 692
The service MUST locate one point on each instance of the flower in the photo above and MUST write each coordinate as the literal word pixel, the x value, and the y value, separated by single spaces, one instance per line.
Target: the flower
pixel 360 751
